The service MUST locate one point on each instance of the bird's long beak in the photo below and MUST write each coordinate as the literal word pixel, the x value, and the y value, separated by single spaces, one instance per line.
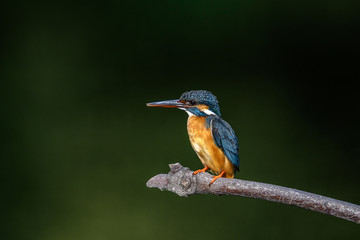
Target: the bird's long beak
pixel 167 103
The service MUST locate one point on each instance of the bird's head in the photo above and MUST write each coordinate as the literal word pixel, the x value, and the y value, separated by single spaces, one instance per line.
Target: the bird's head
pixel 195 102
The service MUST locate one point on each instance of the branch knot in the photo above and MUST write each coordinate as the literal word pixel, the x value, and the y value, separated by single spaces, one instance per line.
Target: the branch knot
pixel 181 181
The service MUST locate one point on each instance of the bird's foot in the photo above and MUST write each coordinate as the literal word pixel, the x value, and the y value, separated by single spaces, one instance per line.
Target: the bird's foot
pixel 201 170
pixel 217 177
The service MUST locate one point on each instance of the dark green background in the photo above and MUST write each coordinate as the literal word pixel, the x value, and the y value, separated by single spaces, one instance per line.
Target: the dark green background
pixel 79 143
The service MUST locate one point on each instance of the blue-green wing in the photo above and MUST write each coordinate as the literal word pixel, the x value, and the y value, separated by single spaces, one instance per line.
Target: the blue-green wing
pixel 225 138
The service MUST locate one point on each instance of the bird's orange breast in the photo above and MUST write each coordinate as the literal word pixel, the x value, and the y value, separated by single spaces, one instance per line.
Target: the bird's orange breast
pixel 204 145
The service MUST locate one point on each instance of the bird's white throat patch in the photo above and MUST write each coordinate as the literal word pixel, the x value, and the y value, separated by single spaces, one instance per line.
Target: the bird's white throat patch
pixel 209 112
pixel 189 113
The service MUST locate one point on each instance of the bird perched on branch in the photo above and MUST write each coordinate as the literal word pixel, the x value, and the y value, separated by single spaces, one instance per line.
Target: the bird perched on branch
pixel 212 138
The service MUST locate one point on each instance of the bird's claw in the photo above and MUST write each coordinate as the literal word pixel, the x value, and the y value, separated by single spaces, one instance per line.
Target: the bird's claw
pixel 201 170
pixel 217 177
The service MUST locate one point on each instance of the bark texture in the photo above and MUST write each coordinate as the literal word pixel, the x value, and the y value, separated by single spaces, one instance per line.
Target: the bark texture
pixel 181 181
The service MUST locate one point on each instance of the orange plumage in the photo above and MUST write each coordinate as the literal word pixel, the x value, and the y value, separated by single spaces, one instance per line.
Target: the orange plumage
pixel 212 138
pixel 203 144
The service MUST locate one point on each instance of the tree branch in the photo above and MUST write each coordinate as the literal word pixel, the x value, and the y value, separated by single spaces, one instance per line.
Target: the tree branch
pixel 181 181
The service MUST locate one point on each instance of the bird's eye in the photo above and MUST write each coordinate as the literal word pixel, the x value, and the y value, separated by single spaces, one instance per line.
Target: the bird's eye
pixel 191 102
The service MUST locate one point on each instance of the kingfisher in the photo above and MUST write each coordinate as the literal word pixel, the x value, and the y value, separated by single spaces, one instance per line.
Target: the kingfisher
pixel 213 139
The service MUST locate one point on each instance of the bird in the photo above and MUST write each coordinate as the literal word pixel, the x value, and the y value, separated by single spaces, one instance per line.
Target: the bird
pixel 211 137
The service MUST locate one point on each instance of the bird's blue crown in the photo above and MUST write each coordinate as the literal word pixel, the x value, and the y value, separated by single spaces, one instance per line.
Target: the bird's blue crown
pixel 202 97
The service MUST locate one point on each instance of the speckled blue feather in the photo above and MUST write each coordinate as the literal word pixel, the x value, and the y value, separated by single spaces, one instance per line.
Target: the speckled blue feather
pixel 225 138
pixel 202 97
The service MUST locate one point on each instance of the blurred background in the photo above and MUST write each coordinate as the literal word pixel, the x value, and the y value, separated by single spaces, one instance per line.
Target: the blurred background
pixel 79 144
